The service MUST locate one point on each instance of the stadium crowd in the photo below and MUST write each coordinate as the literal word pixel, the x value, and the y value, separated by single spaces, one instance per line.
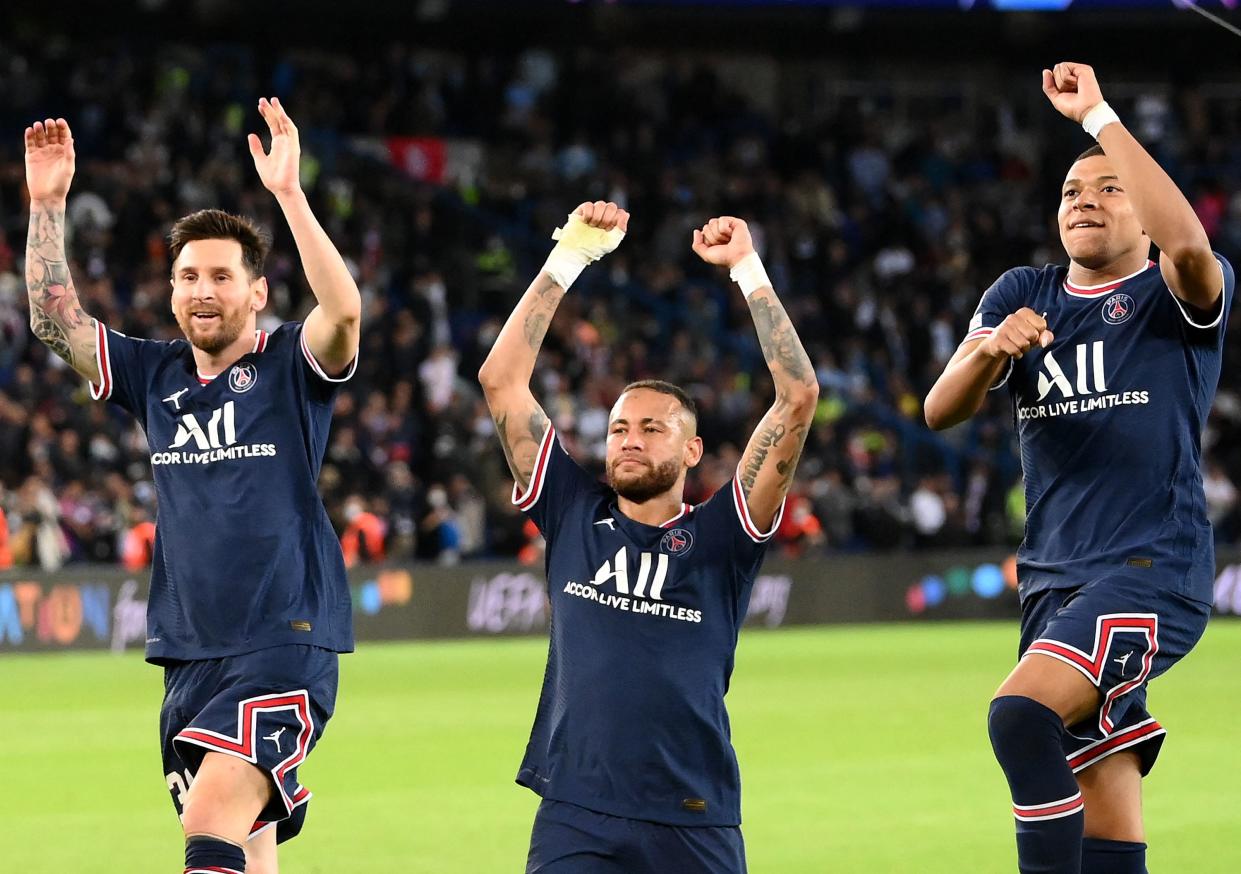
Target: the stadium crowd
pixel 881 218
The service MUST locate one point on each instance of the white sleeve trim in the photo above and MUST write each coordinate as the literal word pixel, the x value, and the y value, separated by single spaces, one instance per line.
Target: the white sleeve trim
pixel 534 491
pixel 318 369
pixel 1180 304
pixel 743 513
pixel 103 361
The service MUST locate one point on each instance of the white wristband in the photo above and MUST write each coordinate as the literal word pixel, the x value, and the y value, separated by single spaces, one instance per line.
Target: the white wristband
pixel 1099 117
pixel 750 274
pixel 578 245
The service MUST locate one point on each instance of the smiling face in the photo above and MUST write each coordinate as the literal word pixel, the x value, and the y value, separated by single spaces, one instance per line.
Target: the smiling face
pixel 1097 223
pixel 651 444
pixel 214 298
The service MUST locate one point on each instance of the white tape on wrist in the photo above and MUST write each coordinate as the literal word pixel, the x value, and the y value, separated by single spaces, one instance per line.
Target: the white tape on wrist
pixel 578 245
pixel 1099 117
pixel 750 274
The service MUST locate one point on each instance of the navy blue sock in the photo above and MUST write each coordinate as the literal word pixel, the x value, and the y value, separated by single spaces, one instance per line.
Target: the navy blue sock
pixel 1026 738
pixel 1101 856
pixel 207 854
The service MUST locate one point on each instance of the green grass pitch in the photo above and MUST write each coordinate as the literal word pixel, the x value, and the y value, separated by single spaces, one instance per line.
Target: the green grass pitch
pixel 863 749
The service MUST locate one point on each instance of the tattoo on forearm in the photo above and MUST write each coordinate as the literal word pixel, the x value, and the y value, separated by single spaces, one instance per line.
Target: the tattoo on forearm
pixel 537 320
pixel 781 345
pixel 765 439
pixel 56 315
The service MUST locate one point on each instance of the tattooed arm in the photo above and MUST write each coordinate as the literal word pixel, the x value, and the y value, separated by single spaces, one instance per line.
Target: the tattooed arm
pixel 771 456
pixel 56 316
pixel 505 375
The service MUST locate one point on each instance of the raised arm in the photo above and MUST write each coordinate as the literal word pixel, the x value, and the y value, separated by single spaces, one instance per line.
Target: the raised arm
pixel 771 456
pixel 1185 259
pixel 56 315
pixel 333 327
pixel 593 230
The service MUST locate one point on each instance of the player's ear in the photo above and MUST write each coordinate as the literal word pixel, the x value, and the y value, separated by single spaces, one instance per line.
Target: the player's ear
pixel 693 451
pixel 259 289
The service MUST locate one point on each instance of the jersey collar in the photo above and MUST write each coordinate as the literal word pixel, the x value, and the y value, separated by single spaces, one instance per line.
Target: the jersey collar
pixel 260 344
pixel 1096 290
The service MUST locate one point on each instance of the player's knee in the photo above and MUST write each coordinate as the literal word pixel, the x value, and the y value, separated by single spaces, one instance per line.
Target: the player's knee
pixel 1018 726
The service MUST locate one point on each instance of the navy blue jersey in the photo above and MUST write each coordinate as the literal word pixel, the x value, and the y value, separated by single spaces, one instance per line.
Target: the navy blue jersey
pixel 644 622
pixel 245 556
pixel 1110 420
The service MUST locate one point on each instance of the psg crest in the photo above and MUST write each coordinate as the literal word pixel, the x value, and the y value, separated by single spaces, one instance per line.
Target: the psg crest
pixel 678 541
pixel 242 377
pixel 1117 308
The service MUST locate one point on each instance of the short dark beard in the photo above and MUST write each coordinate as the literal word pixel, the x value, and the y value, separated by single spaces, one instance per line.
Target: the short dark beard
pixel 230 330
pixel 655 482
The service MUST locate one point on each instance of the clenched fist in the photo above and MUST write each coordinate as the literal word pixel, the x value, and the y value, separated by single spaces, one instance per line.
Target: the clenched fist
pixel 1073 89
pixel 724 241
pixel 1017 335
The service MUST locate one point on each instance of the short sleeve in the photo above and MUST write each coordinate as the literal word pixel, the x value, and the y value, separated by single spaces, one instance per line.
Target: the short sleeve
pixel 727 512
pixel 555 485
pixel 1211 324
pixel 1005 296
pixel 315 367
pixel 125 367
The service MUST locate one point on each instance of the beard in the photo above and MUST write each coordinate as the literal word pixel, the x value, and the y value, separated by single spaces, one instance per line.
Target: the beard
pixel 650 483
pixel 214 340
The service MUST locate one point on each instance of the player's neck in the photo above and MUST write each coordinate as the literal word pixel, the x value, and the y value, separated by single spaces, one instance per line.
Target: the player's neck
pixel 1126 265
pixel 656 511
pixel 213 365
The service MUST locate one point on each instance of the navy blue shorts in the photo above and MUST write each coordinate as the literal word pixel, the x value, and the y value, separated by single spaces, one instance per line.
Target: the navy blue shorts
pixel 267 707
pixel 1120 633
pixel 568 839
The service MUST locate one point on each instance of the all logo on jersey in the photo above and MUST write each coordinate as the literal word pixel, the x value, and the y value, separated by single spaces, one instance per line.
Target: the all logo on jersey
pixel 202 441
pixel 1052 375
pixel 242 377
pixel 612 586
pixel 220 430
pixel 678 541
pixel 1118 308
pixel 1081 389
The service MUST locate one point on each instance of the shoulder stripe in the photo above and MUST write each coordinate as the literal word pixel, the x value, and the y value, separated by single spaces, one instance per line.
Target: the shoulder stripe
pixel 535 488
pixel 103 361
pixel 743 513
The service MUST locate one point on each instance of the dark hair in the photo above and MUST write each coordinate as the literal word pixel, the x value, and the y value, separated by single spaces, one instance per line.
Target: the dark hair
pixel 666 388
pixel 216 224
pixel 1094 150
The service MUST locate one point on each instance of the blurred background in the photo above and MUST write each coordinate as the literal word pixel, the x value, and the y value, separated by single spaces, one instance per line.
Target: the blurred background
pixel 892 158
pixel 892 161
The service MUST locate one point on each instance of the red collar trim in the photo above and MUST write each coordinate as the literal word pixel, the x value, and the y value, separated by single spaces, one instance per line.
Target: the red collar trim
pixel 1096 290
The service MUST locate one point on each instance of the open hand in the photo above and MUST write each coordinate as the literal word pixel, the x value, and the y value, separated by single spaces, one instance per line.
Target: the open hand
pixel 50 159
pixel 278 169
